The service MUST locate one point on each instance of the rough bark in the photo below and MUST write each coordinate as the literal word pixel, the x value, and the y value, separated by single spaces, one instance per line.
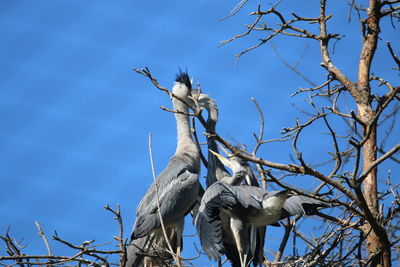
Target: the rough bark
pixel 377 243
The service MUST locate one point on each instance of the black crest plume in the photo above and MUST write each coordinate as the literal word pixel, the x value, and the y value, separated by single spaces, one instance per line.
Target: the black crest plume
pixel 183 77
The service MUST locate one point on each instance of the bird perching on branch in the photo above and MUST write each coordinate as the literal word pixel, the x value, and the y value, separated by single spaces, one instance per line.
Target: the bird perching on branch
pixel 247 206
pixel 217 172
pixel 173 193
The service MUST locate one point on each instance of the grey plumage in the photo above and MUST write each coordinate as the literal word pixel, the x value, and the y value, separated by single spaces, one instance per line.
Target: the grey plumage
pixel 148 247
pixel 216 171
pixel 176 189
pixel 248 204
pixel 308 206
pixel 179 174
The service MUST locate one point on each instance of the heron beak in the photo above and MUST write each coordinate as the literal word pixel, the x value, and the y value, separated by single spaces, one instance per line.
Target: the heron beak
pixel 195 93
pixel 224 160
pixel 194 97
pixel 224 150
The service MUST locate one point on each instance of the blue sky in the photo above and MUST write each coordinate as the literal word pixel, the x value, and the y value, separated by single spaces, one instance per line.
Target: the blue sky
pixel 75 118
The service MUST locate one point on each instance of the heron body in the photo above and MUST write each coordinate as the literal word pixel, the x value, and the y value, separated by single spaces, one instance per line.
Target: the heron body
pixel 247 206
pixel 216 171
pixel 232 217
pixel 172 194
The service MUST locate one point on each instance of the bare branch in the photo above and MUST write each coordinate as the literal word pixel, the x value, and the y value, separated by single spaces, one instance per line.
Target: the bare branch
pixel 326 58
pixel 235 10
pixel 176 257
pixel 42 235
pixel 378 161
pixel 394 56
pixel 120 238
pixel 250 28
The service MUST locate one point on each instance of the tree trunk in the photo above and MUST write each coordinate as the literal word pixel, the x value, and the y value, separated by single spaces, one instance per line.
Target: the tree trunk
pixel 378 245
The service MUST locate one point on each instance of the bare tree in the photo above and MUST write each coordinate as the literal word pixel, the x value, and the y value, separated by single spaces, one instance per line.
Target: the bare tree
pixel 363 226
pixel 353 177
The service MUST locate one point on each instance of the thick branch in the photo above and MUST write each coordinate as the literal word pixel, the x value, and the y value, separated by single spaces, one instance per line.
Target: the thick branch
pixel 369 46
pixel 326 58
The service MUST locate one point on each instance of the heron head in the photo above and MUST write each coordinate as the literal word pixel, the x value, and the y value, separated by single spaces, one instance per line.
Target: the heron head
pixel 183 86
pixel 231 163
pixel 205 101
pixel 276 200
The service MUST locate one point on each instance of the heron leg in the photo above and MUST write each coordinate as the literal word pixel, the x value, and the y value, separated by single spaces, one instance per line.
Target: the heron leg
pixel 179 233
pixel 178 254
pixel 147 262
pixel 240 233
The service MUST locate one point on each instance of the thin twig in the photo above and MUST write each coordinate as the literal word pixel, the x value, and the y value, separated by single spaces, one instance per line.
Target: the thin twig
pixel 43 236
pixel 120 239
pixel 176 258
pixel 235 10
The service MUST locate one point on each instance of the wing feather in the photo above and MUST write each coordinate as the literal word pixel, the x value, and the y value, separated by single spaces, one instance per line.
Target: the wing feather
pixel 177 189
pixel 218 196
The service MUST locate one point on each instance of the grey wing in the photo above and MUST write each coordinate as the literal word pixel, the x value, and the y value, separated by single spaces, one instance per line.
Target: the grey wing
pixel 195 209
pixel 208 220
pixel 177 192
pixel 219 195
pixel 257 233
pixel 301 205
pixel 148 202
pixel 137 249
pixel 148 246
pixel 250 196
pixel 216 171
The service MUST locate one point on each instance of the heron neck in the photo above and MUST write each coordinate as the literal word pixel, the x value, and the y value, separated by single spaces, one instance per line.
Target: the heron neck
pixel 211 125
pixel 185 142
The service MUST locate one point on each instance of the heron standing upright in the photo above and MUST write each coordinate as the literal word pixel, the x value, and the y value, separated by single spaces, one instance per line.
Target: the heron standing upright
pixel 217 172
pixel 173 193
pixel 247 206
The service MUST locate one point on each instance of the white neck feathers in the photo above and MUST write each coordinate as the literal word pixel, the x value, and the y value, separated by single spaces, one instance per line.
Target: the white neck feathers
pixel 185 142
pixel 183 126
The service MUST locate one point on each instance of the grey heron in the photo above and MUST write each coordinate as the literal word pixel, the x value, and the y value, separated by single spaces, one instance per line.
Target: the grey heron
pixel 247 206
pixel 174 191
pixel 217 172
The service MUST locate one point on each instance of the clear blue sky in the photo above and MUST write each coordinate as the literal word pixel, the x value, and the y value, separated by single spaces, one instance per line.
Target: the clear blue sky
pixel 75 118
